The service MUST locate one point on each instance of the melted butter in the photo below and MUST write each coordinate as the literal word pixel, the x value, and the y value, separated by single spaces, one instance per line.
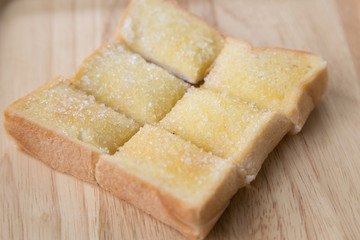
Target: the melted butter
pixel 126 82
pixel 268 77
pixel 71 112
pixel 170 161
pixel 216 122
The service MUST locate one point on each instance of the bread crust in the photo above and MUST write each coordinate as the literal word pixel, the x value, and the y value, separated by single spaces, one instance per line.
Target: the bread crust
pixel 143 195
pixel 269 48
pixel 54 149
pixel 149 58
pixel 193 222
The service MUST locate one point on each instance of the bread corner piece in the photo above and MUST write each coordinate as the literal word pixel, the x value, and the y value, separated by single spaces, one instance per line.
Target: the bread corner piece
pixel 288 81
pixel 66 129
pixel 228 127
pixel 164 33
pixel 171 179
pixel 124 81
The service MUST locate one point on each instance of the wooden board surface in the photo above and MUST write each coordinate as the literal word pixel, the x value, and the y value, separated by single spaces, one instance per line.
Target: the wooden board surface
pixel 309 185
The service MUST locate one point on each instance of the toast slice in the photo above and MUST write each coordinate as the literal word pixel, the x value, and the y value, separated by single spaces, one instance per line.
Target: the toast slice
pixel 171 179
pixel 228 127
pixel 124 81
pixel 67 129
pixel 164 33
pixel 288 81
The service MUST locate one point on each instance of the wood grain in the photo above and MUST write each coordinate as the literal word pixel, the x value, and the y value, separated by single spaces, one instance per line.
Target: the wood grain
pixel 349 11
pixel 308 187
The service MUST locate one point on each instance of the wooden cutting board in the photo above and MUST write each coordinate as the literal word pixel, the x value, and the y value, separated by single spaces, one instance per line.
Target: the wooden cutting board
pixel 309 185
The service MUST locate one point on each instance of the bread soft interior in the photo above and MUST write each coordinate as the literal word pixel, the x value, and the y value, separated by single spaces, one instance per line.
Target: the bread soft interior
pixel 124 81
pixel 62 107
pixel 272 78
pixel 164 33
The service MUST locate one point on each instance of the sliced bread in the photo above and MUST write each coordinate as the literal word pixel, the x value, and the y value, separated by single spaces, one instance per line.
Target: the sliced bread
pixel 283 80
pixel 67 129
pixel 164 33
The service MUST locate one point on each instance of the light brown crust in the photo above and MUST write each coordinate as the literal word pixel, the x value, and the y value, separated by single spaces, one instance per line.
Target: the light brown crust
pixel 142 195
pixel 193 222
pixel 54 149
pixel 149 58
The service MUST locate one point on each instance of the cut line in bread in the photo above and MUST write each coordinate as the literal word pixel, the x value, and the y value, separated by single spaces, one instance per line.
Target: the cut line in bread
pixel 164 33
pixel 67 129
pixel 124 81
pixel 228 127
pixel 171 179
pixel 288 81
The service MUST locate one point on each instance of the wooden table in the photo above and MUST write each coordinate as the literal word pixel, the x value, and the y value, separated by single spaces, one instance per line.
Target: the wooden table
pixel 309 185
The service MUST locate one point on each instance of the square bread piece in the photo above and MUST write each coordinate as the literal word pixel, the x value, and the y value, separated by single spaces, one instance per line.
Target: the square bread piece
pixel 288 81
pixel 67 129
pixel 124 81
pixel 227 127
pixel 171 179
pixel 164 33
